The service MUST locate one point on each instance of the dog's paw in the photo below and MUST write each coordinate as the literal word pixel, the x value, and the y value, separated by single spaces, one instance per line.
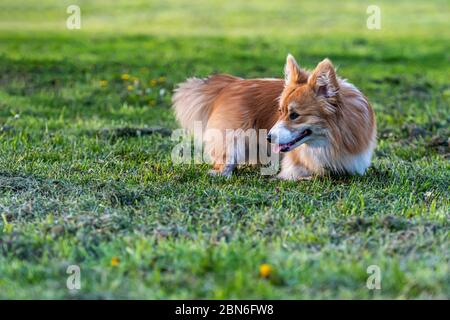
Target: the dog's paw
pixel 225 171
pixel 294 176
pixel 214 173
pixel 217 173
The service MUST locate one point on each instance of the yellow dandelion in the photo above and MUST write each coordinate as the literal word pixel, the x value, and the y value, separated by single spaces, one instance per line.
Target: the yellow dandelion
pixel 162 79
pixel 265 270
pixel 125 76
pixel 103 83
pixel 115 261
pixel 153 82
pixel 130 87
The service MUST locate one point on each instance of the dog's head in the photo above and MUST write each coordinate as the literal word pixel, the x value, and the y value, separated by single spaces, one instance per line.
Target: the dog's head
pixel 308 104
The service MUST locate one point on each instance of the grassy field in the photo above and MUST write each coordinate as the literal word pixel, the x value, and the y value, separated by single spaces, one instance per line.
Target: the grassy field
pixel 82 182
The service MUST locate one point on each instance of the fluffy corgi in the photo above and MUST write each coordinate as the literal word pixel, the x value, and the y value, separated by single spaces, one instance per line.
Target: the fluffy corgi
pixel 320 122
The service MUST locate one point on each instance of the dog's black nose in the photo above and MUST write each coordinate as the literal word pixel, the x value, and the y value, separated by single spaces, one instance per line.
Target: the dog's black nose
pixel 269 137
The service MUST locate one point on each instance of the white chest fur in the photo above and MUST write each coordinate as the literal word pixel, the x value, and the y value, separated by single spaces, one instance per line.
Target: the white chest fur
pixel 318 160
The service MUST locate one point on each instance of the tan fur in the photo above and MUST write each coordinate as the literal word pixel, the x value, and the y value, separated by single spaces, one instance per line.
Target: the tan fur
pixel 340 115
pixel 193 100
pixel 225 102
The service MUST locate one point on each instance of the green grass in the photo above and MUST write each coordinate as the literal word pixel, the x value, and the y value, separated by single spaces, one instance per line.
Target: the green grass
pixel 74 191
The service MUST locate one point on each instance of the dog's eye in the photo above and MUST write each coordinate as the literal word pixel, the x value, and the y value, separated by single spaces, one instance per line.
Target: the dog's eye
pixel 293 116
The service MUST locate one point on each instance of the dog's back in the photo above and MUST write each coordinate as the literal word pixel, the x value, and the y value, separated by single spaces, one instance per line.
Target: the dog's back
pixel 241 103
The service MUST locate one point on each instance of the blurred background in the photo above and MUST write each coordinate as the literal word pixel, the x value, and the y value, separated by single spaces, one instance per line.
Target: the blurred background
pixel 233 18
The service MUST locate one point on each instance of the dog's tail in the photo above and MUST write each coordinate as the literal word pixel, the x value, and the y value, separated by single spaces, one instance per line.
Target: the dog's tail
pixel 193 99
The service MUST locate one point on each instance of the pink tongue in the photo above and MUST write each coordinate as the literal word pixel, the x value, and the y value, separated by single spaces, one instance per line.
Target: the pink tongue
pixel 276 148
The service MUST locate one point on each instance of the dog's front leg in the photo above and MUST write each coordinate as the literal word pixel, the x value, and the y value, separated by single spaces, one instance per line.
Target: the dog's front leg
pixel 292 169
pixel 295 173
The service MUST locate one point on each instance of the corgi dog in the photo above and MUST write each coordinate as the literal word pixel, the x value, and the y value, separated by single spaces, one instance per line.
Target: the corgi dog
pixel 320 122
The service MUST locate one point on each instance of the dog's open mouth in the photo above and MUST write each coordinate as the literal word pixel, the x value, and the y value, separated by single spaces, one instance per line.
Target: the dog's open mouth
pixel 287 146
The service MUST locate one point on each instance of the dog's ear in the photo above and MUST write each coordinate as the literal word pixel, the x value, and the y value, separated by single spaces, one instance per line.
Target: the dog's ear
pixel 292 72
pixel 323 80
